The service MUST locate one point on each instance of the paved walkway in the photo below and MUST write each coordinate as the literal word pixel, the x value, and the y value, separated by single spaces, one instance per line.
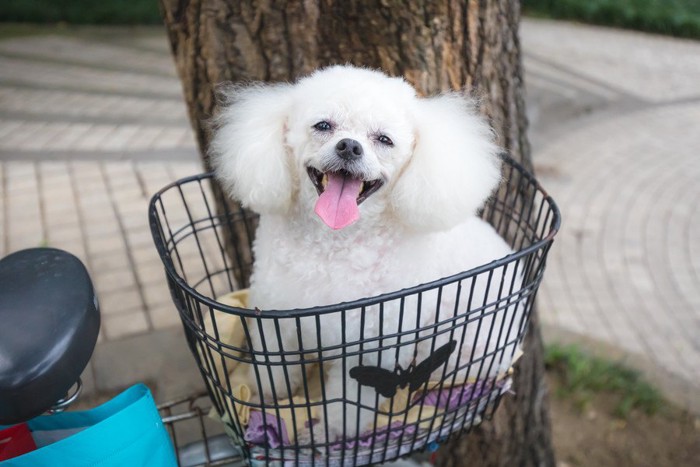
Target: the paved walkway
pixel 616 142
pixel 90 128
pixel 92 123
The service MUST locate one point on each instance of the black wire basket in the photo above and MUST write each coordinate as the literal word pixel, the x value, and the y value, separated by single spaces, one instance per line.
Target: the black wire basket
pixel 198 440
pixel 207 254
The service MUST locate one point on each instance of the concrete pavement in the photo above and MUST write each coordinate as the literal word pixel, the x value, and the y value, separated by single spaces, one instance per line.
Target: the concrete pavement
pixel 615 119
pixel 92 123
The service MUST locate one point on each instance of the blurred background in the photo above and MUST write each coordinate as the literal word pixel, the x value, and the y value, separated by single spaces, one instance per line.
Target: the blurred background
pixel 92 123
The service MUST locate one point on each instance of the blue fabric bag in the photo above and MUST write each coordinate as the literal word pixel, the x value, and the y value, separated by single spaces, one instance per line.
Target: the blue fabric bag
pixel 126 431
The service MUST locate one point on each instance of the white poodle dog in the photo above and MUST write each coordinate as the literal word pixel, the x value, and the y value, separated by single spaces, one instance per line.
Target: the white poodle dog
pixel 363 189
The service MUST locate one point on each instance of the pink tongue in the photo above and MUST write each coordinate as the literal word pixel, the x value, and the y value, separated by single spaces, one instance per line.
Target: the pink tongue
pixel 337 205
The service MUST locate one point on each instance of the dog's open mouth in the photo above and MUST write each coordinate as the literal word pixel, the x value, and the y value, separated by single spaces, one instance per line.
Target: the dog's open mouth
pixel 340 194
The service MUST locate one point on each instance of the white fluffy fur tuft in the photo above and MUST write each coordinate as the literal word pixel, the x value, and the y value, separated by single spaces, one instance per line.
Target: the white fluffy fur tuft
pixel 248 151
pixel 454 167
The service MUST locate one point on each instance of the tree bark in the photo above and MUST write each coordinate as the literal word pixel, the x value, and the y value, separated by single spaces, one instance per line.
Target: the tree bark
pixel 442 45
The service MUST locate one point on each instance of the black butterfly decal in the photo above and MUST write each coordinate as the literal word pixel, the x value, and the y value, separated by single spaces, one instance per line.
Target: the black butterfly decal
pixel 387 382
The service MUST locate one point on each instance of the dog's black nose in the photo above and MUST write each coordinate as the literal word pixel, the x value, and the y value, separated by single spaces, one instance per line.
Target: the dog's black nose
pixel 348 149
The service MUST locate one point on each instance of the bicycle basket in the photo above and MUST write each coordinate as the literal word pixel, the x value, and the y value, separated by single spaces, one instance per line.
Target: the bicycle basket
pixel 198 440
pixel 279 398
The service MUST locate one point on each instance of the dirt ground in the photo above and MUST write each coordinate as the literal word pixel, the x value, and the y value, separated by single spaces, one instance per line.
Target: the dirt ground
pixel 593 437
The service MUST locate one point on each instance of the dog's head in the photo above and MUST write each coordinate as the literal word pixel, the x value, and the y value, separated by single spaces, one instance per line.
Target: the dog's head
pixel 347 143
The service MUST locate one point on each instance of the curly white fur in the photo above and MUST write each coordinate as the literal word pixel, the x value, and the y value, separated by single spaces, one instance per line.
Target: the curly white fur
pixel 420 225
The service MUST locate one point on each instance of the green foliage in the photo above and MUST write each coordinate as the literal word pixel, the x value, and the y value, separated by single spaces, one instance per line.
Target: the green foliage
pixel 80 11
pixel 673 17
pixel 582 376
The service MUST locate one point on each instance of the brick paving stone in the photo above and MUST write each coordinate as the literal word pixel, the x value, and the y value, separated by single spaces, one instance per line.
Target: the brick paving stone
pixel 119 138
pixel 110 261
pixel 79 77
pixel 21 134
pixel 124 324
pixel 149 269
pixel 145 138
pixel 65 233
pixel 164 316
pixel 113 280
pixel 121 301
pixel 76 50
pixel 94 138
pixel 152 275
pixel 8 127
pixel 139 237
pixel 70 136
pixel 171 137
pixel 42 136
pixel 79 104
pixel 24 224
pixel 158 294
pixel 128 198
pixel 105 244
pixel 59 211
pixel 131 220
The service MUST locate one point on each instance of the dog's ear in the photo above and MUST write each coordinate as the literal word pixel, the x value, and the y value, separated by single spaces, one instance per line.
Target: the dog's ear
pixel 453 169
pixel 248 151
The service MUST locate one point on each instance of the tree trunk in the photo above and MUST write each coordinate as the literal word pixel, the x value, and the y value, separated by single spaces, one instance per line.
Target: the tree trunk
pixel 436 46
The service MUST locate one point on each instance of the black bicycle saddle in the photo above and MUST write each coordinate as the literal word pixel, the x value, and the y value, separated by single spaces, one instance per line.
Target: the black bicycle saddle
pixel 49 321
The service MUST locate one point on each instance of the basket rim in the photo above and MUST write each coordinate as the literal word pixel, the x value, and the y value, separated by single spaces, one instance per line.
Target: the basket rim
pixel 172 274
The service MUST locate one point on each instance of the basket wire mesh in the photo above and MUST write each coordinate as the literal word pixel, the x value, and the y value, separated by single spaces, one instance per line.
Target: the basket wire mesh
pixel 414 406
pixel 198 440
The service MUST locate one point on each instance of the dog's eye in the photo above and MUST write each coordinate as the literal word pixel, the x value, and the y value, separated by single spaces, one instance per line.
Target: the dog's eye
pixel 323 126
pixel 385 140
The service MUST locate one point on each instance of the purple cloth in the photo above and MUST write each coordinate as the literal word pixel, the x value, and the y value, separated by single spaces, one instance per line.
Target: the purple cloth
pixel 452 398
pixel 370 438
pixel 266 429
